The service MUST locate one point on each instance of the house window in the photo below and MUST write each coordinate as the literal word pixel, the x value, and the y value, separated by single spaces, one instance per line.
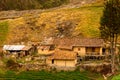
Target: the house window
pixel 93 49
pixel 103 51
pixel 78 49
pixel 53 61
pixel 42 49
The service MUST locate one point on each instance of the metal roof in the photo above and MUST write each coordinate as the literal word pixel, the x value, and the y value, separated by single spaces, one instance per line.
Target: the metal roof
pixel 13 47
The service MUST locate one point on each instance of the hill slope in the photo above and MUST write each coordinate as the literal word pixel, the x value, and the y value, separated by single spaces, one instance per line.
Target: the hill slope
pixel 3 31
pixel 60 22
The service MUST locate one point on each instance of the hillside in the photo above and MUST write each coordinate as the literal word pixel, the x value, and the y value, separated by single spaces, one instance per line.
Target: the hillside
pixel 65 21
pixel 30 4
pixel 3 31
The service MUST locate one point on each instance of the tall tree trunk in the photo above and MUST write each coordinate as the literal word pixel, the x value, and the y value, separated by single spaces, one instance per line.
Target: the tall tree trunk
pixel 116 48
pixel 113 54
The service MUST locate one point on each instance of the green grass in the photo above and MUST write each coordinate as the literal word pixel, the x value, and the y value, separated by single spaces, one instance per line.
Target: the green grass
pixel 44 75
pixel 3 31
pixel 117 75
pixel 91 20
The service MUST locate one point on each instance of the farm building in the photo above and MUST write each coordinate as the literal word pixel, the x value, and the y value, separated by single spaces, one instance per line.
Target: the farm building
pixel 62 59
pixel 20 50
pixel 45 49
pixel 85 47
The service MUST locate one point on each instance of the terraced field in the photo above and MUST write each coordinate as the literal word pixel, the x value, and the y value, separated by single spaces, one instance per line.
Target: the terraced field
pixel 43 75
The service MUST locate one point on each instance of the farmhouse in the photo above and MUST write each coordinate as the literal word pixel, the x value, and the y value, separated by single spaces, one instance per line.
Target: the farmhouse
pixel 62 59
pixel 20 50
pixel 84 47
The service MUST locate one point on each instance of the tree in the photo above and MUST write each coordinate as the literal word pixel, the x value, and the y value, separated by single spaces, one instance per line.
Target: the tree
pixel 110 26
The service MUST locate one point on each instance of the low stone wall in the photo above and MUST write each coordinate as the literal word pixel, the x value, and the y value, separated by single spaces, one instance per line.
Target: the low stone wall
pixel 103 68
pixel 37 67
pixel 62 68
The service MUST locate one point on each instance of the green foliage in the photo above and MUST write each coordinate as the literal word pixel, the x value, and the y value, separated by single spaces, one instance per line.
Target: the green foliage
pixel 10 75
pixel 116 77
pixel 11 64
pixel 18 4
pixel 90 18
pixel 110 26
pixel 3 31
pixel 44 75
pixel 110 21
pixel 51 3
pixel 29 4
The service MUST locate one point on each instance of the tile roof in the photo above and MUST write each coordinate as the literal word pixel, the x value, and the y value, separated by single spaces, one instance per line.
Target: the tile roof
pixel 44 47
pixel 60 54
pixel 48 41
pixel 68 43
pixel 26 48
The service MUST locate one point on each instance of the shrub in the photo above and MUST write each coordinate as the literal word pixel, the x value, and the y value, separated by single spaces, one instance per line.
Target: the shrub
pixel 11 64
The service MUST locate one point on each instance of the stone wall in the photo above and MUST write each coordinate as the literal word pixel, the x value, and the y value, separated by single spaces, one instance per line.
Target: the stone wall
pixel 102 68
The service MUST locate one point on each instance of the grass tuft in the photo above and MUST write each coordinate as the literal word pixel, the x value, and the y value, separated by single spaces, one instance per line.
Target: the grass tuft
pixel 3 31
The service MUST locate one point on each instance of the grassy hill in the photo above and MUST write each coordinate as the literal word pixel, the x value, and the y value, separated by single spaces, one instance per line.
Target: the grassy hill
pixel 75 22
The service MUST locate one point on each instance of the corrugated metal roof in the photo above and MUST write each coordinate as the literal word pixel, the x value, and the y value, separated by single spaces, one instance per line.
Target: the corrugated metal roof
pixel 13 47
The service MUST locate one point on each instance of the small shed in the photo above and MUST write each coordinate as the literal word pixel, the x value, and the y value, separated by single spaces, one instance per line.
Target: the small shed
pixel 62 59
pixel 18 49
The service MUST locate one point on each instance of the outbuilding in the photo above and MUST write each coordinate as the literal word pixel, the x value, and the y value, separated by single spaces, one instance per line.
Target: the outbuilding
pixel 62 59
pixel 19 50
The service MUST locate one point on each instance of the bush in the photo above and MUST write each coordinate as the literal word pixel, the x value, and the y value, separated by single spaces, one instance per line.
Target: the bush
pixel 11 64
pixel 77 68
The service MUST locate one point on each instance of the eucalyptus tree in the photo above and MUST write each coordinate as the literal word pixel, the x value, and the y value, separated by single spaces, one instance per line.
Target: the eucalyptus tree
pixel 110 26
